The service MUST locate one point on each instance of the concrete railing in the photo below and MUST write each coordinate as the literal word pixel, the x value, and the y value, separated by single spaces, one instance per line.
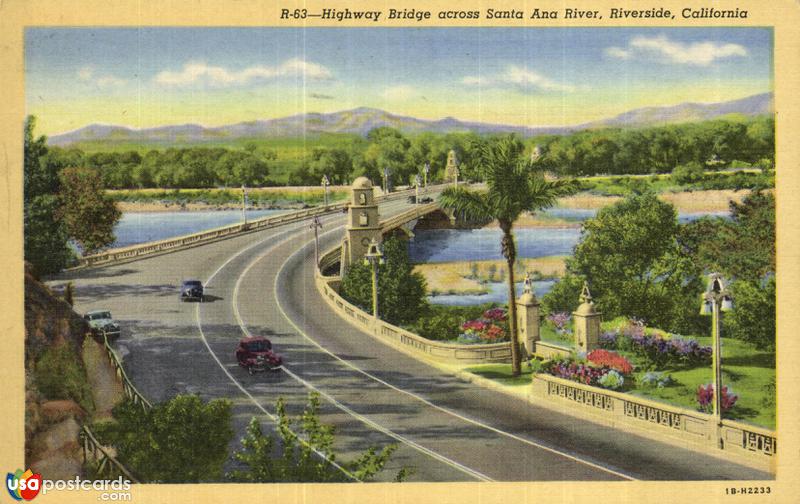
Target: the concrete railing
pixel 452 353
pixel 191 240
pixel 409 215
pixel 626 411
pixel 549 350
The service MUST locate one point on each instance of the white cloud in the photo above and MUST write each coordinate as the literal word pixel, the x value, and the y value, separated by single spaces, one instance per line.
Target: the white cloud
pixel 87 74
pixel 669 51
pixel 198 71
pixel 399 92
pixel 618 52
pixel 521 78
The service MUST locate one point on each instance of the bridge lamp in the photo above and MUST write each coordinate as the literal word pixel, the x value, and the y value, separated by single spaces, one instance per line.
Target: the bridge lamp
pixel 316 225
pixel 417 182
pixel 427 171
pixel 374 258
pixel 714 300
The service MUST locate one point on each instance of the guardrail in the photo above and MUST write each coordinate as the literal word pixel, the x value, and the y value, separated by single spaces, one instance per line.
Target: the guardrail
pixel 625 411
pixel 406 340
pixel 127 386
pixel 172 244
pixel 108 467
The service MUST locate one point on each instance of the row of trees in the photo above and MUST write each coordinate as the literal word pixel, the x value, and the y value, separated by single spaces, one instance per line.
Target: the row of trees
pixel 658 149
pixel 603 151
pixel 640 262
pixel 62 204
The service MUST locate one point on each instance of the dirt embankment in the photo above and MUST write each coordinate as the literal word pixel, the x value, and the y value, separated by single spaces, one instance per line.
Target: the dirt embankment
pixel 68 381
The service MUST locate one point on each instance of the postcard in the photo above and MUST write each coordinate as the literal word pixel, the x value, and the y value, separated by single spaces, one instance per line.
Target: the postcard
pixel 431 252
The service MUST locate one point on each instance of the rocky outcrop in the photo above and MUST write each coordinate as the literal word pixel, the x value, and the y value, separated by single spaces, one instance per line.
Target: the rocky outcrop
pixel 52 425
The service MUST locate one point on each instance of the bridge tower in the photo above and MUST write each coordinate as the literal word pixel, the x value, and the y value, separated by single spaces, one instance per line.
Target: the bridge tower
pixel 451 169
pixel 363 223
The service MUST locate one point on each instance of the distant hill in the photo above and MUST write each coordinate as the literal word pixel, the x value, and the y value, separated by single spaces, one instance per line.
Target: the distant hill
pixel 361 120
pixel 688 112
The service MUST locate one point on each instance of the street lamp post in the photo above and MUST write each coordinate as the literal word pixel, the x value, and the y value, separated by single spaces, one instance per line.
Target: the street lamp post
pixel 385 180
pixel 374 257
pixel 715 300
pixel 325 183
pixel 416 185
pixel 316 225
pixel 427 172
pixel 244 204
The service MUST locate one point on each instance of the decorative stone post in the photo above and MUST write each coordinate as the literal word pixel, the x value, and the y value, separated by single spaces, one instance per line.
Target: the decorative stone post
pixel 587 323
pixel 528 317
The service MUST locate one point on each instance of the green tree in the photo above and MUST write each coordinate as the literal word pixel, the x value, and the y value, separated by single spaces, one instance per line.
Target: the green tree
pixel 688 173
pixel 45 235
pixel 742 247
pixel 629 254
pixel 401 291
pixel 88 213
pixel 514 186
pixel 304 452
pixel 753 316
pixel 183 440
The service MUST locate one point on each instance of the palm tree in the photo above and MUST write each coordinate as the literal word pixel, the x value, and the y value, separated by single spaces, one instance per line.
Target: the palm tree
pixel 513 186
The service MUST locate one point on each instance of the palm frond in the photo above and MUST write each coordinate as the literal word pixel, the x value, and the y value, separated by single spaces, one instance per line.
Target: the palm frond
pixel 472 204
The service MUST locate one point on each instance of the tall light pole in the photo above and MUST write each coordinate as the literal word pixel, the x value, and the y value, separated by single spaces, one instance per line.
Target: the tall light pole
pixel 374 257
pixel 716 299
pixel 427 171
pixel 244 204
pixel 316 225
pixel 325 183
pixel 417 181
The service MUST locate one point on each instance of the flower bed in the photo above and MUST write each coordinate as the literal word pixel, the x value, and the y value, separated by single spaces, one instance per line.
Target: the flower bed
pixel 491 328
pixel 657 349
pixel 602 368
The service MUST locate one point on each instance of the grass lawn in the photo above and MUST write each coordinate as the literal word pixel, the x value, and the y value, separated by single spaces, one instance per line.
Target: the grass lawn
pixel 745 371
pixel 501 373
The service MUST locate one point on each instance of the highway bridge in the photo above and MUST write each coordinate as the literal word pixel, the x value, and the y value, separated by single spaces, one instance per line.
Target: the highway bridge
pixel 262 283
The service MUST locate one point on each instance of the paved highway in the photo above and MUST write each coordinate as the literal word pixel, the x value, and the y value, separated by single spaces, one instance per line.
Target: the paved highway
pixel 446 429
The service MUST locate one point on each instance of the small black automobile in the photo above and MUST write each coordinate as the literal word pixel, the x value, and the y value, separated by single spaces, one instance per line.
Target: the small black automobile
pixel 192 290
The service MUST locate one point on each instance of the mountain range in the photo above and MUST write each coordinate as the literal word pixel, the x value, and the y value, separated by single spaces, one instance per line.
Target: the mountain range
pixel 361 120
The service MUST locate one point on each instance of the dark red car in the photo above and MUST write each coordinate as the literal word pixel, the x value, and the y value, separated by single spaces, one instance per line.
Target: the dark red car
pixel 255 354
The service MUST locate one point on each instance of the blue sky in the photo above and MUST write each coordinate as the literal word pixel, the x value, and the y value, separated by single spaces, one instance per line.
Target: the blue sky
pixel 527 76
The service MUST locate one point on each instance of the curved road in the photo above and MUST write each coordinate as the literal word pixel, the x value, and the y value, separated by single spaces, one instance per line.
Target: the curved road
pixel 446 429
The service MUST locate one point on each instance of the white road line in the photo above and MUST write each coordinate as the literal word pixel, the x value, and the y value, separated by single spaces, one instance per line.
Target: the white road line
pixel 412 444
pixel 427 401
pixel 224 368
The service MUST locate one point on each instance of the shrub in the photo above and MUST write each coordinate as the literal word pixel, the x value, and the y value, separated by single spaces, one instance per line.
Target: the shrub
pixel 656 379
pixel 688 173
pixel 560 321
pixel 608 339
pixel 705 398
pixel 657 349
pixel 59 374
pixel 611 380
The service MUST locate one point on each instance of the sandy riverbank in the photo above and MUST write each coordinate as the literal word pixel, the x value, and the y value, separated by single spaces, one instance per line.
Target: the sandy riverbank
pixel 466 277
pixel 687 201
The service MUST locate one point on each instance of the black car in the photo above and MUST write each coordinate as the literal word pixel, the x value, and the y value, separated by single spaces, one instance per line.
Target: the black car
pixel 192 290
